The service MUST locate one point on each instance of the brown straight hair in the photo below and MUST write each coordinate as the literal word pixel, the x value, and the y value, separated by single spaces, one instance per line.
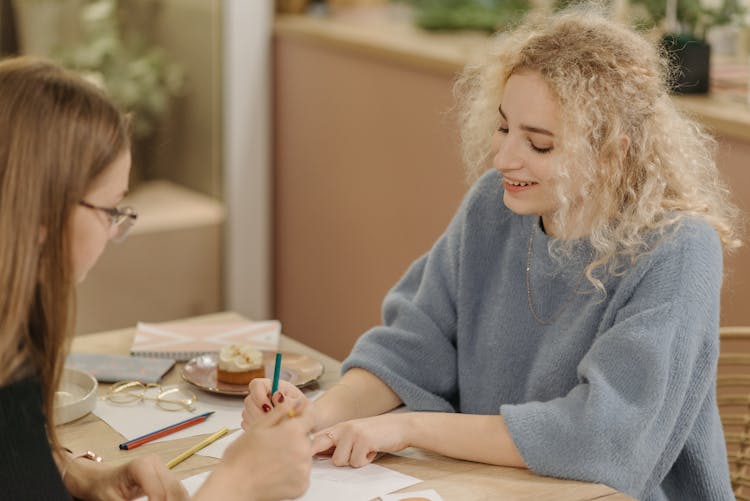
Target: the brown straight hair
pixel 57 134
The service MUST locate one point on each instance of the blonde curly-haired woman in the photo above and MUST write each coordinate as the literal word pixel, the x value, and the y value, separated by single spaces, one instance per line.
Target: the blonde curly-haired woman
pixel 567 319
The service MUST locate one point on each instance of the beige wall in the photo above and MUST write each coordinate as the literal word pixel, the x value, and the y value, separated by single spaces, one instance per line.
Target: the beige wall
pixel 367 176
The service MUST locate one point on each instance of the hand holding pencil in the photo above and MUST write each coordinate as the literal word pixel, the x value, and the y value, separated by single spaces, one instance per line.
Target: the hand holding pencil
pixel 274 456
pixel 261 399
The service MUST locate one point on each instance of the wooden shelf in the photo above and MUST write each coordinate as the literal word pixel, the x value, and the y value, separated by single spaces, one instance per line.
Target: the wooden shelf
pixel 169 267
pixel 165 206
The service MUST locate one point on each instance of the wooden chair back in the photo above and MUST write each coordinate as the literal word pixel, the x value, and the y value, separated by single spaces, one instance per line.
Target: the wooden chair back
pixel 733 397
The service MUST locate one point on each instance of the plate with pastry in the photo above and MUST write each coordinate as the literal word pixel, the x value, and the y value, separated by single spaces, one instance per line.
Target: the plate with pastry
pixel 229 371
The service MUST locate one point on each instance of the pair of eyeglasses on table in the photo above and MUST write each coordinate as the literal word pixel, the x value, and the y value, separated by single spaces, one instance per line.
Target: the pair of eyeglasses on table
pixel 168 398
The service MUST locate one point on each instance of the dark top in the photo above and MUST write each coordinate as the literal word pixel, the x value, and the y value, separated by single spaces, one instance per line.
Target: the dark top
pixel 27 469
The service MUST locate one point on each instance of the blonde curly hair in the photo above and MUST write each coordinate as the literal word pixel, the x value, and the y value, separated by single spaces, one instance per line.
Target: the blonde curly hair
pixel 610 83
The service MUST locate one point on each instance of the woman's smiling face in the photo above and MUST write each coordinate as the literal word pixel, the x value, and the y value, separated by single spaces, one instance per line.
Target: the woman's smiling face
pixel 525 146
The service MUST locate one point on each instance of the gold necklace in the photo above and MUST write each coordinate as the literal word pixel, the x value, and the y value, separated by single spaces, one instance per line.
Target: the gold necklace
pixel 568 300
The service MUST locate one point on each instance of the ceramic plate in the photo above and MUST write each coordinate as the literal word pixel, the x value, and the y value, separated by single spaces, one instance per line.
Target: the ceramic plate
pixel 76 396
pixel 299 370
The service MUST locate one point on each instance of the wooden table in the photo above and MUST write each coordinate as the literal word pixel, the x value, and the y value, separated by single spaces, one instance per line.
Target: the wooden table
pixel 453 479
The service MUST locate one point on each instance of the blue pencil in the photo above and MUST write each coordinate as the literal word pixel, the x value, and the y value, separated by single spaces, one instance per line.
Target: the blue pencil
pixel 276 373
pixel 132 444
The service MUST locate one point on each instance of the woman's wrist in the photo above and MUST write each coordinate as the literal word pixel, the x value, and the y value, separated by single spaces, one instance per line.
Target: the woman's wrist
pixel 70 457
pixel 339 403
pixel 410 427
pixel 223 484
pixel 78 471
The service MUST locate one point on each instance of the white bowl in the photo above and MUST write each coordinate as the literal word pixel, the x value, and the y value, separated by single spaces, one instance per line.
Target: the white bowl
pixel 76 395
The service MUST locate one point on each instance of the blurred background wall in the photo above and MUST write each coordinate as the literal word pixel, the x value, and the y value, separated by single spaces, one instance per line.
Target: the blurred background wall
pixel 192 171
pixel 303 159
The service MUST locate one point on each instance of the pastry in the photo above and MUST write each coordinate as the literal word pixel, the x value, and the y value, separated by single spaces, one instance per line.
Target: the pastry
pixel 239 364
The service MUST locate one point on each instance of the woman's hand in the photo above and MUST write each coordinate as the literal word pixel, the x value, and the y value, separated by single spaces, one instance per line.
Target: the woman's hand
pixel 144 476
pixel 357 442
pixel 260 401
pixel 270 461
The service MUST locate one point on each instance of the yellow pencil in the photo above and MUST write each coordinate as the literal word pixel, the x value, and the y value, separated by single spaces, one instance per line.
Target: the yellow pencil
pixel 182 457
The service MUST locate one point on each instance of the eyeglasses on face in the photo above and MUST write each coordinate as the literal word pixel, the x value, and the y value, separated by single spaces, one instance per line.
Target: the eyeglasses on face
pixel 122 218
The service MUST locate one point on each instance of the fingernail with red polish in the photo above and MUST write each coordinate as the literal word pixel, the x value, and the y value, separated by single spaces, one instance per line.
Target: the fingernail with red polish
pixel 266 408
pixel 281 398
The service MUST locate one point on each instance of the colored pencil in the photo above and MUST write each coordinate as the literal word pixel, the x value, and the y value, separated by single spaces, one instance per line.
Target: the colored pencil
pixel 144 439
pixel 182 457
pixel 276 373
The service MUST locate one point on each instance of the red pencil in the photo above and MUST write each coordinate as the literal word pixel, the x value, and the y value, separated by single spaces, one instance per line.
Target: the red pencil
pixel 144 439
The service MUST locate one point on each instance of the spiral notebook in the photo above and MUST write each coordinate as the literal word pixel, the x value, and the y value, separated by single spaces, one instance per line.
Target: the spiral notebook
pixel 185 340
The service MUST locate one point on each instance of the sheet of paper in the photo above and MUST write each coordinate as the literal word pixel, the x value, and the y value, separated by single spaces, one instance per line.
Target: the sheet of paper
pixel 144 417
pixel 333 483
pixel 191 484
pixel 428 495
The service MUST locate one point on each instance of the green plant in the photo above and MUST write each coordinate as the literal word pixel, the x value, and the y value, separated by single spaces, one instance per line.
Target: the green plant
pixel 691 17
pixel 138 77
pixel 484 15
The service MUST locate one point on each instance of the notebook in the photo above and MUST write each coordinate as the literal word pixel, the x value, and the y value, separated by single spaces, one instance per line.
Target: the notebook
pixel 185 340
pixel 112 368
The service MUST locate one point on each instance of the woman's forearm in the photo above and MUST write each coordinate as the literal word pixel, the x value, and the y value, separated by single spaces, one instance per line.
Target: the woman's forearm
pixel 358 394
pixel 463 436
pixel 223 484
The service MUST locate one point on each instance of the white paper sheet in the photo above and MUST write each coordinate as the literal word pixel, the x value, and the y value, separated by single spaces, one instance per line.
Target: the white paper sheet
pixel 332 483
pixel 135 420
pixel 191 484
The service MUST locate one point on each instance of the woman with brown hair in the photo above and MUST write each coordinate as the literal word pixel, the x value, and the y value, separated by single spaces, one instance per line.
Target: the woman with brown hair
pixel 567 319
pixel 64 168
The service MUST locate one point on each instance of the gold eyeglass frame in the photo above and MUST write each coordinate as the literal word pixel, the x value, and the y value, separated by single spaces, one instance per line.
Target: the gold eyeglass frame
pixel 133 392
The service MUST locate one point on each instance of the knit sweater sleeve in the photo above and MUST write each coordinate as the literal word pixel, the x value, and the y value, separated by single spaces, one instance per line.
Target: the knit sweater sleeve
pixel 27 469
pixel 414 350
pixel 644 380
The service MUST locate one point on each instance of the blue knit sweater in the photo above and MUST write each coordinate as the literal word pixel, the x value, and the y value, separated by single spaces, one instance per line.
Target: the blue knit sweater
pixel 618 390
